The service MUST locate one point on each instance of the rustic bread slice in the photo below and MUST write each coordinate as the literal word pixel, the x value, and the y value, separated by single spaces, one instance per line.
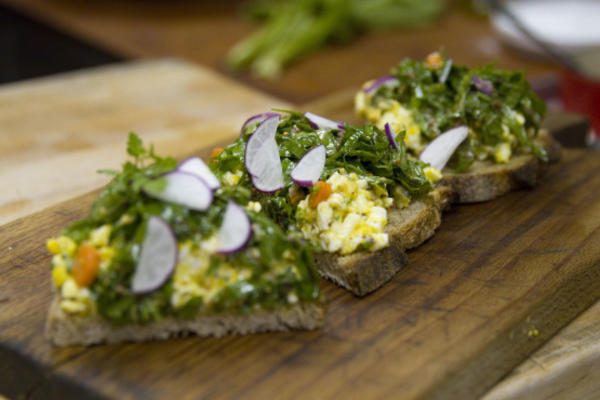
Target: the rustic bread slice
pixel 68 330
pixel 363 272
pixel 487 180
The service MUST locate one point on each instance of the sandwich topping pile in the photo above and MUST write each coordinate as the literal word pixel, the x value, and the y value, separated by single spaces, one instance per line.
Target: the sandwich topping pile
pixel 164 240
pixel 426 99
pixel 335 182
pixel 227 247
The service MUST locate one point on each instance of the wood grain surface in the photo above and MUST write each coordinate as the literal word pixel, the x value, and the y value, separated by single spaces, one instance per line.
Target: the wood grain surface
pixel 203 32
pixel 56 132
pixel 496 282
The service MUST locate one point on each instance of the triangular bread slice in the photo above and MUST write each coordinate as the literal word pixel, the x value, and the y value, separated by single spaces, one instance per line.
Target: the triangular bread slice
pixel 363 272
pixel 69 330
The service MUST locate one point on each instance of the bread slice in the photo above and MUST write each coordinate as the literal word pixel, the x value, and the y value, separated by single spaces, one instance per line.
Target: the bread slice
pixel 68 330
pixel 487 180
pixel 363 272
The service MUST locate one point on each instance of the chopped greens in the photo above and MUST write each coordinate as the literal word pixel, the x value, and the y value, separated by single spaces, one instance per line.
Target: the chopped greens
pixel 497 105
pixel 280 264
pixel 364 150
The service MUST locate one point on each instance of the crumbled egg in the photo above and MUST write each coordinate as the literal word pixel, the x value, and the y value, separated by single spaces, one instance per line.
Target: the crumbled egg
pixel 232 178
pixel 254 206
pixel 192 278
pixel 382 111
pixel 99 237
pixel 502 152
pixel 62 245
pixel 352 216
pixel 432 174
pixel 75 299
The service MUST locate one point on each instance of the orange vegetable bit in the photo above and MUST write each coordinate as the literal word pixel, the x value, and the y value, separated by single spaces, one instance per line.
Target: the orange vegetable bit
pixel 86 265
pixel 216 152
pixel 322 193
pixel 434 60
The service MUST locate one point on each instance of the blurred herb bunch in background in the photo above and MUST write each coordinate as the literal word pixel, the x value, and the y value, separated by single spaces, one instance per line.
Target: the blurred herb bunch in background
pixel 293 28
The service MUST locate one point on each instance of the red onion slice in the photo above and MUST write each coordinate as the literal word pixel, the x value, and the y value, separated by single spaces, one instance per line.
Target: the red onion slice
pixel 310 167
pixel 257 118
pixel 391 135
pixel 158 257
pixel 235 230
pixel 262 157
pixel 438 152
pixel 388 80
pixel 196 166
pixel 184 189
pixel 318 122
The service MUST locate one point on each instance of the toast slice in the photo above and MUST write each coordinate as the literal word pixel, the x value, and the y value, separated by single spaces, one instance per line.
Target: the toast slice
pixel 363 272
pixel 487 180
pixel 69 330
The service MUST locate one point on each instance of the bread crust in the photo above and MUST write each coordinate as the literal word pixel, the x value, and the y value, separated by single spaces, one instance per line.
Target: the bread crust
pixel 68 330
pixel 363 272
pixel 487 180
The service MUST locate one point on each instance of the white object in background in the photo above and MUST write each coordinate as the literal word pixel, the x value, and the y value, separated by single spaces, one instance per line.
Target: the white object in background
pixel 573 26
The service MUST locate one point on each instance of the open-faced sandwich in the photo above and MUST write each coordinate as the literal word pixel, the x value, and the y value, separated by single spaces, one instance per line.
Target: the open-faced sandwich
pixel 353 192
pixel 166 251
pixel 487 120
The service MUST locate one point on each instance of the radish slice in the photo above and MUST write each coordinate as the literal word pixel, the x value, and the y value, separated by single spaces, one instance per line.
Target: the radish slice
pixel 257 118
pixel 260 141
pixel 318 122
pixel 438 152
pixel 196 166
pixel 483 85
pixel 184 189
pixel 269 182
pixel 391 135
pixel 235 230
pixel 310 167
pixel 158 257
pixel 262 157
pixel 388 80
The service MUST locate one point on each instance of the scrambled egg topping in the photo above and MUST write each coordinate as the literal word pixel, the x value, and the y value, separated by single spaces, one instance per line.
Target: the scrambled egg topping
pixel 191 278
pixel 380 111
pixel 231 179
pixel 74 298
pixel 352 216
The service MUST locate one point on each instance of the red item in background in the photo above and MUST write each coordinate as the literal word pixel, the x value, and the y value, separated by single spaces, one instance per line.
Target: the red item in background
pixel 582 96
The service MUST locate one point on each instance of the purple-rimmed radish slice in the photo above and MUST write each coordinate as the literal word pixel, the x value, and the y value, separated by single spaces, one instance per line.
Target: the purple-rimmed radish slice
pixel 262 157
pixel 196 166
pixel 261 140
pixel 310 167
pixel 483 85
pixel 388 80
pixel 391 135
pixel 157 259
pixel 184 189
pixel 318 122
pixel 438 152
pixel 235 230
pixel 257 118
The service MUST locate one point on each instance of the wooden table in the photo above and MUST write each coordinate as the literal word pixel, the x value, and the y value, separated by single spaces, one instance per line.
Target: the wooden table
pixel 566 367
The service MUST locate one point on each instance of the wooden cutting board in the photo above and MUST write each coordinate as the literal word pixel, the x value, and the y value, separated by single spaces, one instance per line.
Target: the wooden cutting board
pixel 495 282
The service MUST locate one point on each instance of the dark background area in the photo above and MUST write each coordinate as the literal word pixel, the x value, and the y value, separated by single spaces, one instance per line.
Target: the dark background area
pixel 30 49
